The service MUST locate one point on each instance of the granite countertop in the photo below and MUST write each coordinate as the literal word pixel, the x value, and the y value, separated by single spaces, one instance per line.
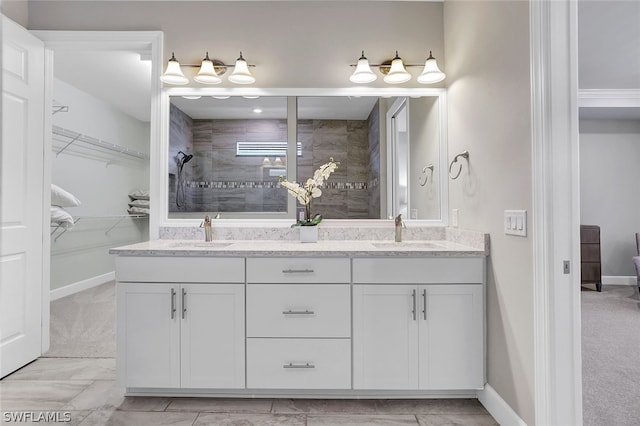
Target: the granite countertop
pixel 277 248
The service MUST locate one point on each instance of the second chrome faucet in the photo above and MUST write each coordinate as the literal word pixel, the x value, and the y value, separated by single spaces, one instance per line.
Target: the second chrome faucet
pixel 399 225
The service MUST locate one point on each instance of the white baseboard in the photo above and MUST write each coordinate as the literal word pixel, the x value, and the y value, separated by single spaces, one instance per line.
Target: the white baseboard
pixel 498 408
pixel 619 280
pixel 82 285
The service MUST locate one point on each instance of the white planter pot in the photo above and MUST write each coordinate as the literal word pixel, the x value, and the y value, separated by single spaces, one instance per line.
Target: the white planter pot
pixel 308 234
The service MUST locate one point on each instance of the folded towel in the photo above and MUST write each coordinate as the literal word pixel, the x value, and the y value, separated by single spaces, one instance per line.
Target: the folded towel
pixel 59 216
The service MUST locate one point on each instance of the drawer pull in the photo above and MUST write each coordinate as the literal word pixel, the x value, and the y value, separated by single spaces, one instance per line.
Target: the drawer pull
pixel 297 271
pixel 292 365
pixel 173 303
pixel 305 312
pixel 413 296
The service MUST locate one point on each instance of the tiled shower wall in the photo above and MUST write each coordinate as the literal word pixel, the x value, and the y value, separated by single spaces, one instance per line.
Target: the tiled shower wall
pixel 347 193
pixel 220 181
pixel 180 139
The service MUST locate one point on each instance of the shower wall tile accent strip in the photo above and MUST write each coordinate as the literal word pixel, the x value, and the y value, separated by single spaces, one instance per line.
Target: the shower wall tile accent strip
pixel 262 184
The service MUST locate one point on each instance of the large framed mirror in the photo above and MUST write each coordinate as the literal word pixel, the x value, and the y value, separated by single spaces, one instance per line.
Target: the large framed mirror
pixel 226 154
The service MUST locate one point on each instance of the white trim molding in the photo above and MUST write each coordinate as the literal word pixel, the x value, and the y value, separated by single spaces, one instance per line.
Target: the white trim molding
pixel 498 407
pixel 556 212
pixel 619 280
pixel 609 98
pixel 77 287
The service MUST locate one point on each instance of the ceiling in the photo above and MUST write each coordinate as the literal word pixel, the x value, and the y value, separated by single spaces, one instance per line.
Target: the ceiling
pixel 237 107
pixel 118 78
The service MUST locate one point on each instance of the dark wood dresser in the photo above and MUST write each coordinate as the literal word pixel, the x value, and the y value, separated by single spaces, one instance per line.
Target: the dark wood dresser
pixel 590 266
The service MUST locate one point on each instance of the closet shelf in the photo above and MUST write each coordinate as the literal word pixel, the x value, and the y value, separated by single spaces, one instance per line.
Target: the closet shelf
pixel 70 137
pixel 117 218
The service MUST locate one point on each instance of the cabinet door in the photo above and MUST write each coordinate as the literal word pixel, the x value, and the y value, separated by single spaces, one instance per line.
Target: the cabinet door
pixel 149 334
pixel 212 317
pixel 451 337
pixel 385 337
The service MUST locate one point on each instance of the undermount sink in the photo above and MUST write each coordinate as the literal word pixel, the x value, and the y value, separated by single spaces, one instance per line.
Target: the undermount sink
pixel 407 244
pixel 201 244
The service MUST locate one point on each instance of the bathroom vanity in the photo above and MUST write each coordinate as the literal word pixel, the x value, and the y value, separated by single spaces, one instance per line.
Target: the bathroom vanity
pixel 281 318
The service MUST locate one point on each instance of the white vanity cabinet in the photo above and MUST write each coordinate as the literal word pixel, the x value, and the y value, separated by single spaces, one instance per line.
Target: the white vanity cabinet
pixel 181 335
pixel 412 332
pixel 298 323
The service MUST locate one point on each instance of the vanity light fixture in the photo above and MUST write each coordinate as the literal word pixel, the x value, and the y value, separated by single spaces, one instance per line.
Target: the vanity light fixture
pixel 431 73
pixel 209 72
pixel 363 73
pixel 395 71
pixel 257 110
pixel 221 97
pixel 241 74
pixel 173 74
pixel 191 97
pixel 398 73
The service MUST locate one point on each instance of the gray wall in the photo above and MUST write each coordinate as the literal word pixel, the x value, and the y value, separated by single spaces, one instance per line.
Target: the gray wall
pixel 293 44
pixel 424 149
pixel 487 52
pixel 16 10
pixel 610 189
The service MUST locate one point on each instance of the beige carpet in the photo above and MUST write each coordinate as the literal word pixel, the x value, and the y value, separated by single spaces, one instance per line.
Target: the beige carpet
pixel 83 324
pixel 611 356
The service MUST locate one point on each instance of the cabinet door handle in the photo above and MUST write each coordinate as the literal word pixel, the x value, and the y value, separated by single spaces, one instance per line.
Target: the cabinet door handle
pixel 297 271
pixel 292 365
pixel 184 302
pixel 413 296
pixel 305 312
pixel 424 303
pixel 173 303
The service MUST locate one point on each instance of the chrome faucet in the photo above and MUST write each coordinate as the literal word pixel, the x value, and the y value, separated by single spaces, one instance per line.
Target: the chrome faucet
pixel 207 228
pixel 399 225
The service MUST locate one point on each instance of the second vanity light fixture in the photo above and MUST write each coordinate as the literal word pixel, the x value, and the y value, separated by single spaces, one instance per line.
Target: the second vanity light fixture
pixel 395 71
pixel 209 73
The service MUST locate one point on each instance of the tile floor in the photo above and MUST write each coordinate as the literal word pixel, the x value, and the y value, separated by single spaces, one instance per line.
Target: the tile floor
pixel 85 387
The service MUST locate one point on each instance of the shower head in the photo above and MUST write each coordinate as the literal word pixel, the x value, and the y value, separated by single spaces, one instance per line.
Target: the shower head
pixel 184 159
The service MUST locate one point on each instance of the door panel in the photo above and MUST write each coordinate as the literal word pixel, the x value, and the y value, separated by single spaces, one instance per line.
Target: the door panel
pixel 21 211
pixel 212 336
pixel 150 343
pixel 451 337
pixel 385 337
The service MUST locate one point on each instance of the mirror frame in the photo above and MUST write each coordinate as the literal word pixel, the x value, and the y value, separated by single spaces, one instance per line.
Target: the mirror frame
pixel 160 153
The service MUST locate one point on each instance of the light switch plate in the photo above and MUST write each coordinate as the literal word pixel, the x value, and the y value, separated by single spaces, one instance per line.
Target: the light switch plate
pixel 454 218
pixel 515 222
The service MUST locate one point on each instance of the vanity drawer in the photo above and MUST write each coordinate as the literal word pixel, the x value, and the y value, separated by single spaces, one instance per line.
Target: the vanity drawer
pixel 298 270
pixel 431 270
pixel 299 363
pixel 298 310
pixel 180 269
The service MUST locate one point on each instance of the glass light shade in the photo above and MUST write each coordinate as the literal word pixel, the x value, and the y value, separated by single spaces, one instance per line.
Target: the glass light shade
pixel 397 74
pixel 241 74
pixel 431 73
pixel 173 74
pixel 363 73
pixel 207 73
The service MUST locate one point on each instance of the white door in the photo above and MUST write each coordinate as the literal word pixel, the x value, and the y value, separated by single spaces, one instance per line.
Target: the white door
pixel 21 206
pixel 385 337
pixel 212 336
pixel 451 337
pixel 149 334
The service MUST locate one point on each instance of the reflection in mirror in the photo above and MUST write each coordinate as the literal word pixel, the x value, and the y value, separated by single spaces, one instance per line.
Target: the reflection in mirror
pixel 239 149
pixel 346 129
pixel 226 155
pixel 414 152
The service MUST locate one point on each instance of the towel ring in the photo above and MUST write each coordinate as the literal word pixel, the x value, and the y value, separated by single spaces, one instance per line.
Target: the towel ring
pixel 465 155
pixel 424 172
